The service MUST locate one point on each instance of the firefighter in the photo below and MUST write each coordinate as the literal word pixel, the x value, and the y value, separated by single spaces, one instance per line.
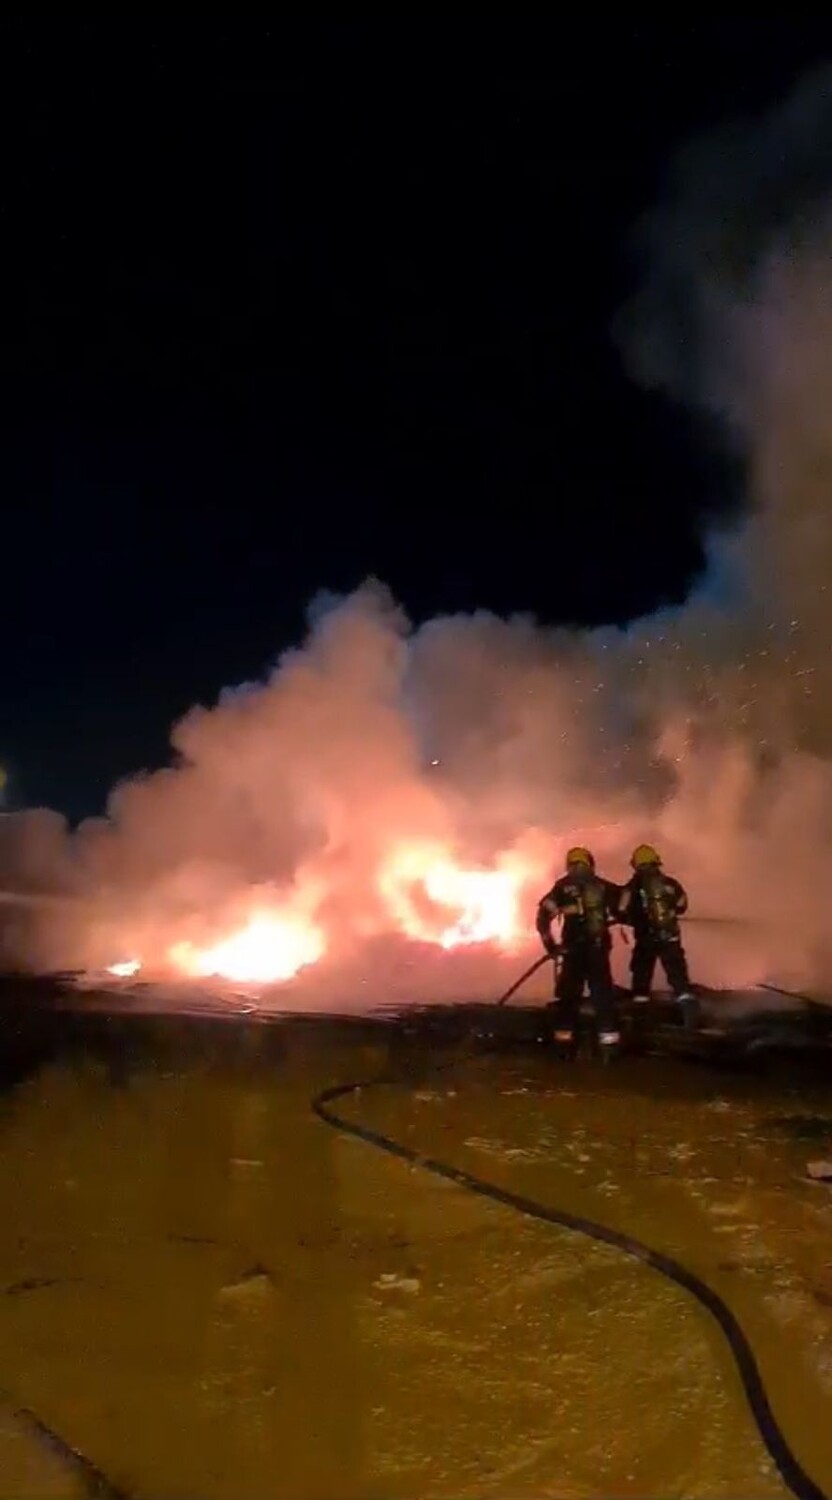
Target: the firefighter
pixel 652 903
pixel 586 906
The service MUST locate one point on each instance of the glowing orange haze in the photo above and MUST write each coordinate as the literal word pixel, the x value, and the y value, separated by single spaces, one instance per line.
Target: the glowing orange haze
pixel 391 786
pixel 427 896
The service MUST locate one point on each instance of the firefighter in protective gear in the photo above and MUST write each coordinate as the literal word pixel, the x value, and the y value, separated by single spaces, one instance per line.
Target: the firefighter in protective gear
pixel 586 906
pixel 652 903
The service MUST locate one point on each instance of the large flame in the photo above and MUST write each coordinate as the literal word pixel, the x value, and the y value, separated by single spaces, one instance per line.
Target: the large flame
pixel 425 895
pixel 269 949
pixel 435 900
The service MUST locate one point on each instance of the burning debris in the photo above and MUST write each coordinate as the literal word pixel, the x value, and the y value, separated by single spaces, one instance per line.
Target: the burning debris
pixel 269 949
pixel 126 970
pixel 428 898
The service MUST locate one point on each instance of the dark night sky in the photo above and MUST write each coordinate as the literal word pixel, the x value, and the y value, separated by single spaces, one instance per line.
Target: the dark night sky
pixel 282 307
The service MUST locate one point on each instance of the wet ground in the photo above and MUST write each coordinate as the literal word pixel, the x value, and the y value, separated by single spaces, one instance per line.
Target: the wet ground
pixel 206 1292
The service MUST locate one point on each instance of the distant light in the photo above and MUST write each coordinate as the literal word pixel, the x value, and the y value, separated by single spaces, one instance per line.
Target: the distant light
pixel 434 762
pixel 125 970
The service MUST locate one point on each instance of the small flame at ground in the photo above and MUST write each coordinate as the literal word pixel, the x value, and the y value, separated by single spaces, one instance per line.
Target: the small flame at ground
pixel 125 970
pixel 268 950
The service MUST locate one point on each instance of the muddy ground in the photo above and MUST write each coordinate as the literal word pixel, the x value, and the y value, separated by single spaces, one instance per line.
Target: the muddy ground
pixel 206 1292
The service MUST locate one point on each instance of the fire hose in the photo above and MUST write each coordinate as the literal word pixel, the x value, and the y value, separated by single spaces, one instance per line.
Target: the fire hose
pixel 554 957
pixel 791 1471
pixel 527 974
pixel 96 1483
pixel 545 958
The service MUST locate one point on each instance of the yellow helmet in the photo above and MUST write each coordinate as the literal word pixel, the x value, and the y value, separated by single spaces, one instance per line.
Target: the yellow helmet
pixel 645 854
pixel 580 856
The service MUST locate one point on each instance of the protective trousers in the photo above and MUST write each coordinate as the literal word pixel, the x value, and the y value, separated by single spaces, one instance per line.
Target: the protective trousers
pixel 671 956
pixel 585 963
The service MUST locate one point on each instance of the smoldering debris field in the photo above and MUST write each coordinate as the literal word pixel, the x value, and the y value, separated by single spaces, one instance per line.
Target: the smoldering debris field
pixel 205 1290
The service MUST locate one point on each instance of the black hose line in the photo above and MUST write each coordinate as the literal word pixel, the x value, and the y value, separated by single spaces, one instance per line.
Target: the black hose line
pixel 791 1471
pixel 777 989
pixel 545 958
pixel 96 1483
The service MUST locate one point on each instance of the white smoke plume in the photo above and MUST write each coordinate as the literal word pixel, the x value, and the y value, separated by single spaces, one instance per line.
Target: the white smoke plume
pixel 379 760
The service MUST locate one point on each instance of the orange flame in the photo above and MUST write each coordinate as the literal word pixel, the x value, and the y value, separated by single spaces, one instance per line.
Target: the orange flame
pixel 435 900
pixel 269 949
pixel 125 970
pixel 426 894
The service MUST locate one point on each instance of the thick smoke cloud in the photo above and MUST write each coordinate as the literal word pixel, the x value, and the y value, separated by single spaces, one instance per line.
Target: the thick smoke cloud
pixel 706 729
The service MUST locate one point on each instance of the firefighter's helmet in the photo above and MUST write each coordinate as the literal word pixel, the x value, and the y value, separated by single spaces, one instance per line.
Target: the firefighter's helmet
pixel 643 856
pixel 580 856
